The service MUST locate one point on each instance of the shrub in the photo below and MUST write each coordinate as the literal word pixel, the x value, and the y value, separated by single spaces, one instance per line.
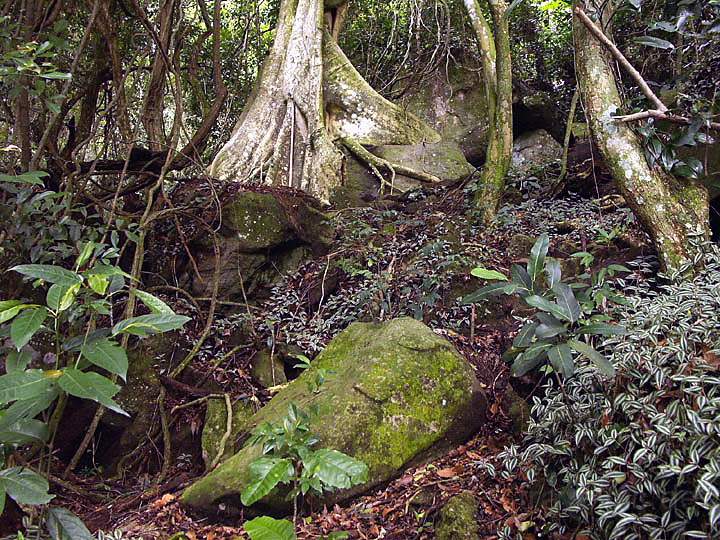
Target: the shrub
pixel 638 457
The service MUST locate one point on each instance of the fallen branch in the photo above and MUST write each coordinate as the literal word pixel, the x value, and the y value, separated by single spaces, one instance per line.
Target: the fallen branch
pixel 652 113
pixel 634 73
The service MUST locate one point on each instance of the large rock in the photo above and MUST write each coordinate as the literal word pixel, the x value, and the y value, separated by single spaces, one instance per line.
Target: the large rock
pixel 263 235
pixel 397 392
pixel 534 149
pixel 453 102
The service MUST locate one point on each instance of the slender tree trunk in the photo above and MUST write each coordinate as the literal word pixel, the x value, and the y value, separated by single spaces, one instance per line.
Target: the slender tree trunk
pixel 494 45
pixel 153 108
pixel 309 97
pixel 669 210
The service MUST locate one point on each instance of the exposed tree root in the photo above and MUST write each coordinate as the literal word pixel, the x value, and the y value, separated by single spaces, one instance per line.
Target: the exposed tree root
pixel 375 163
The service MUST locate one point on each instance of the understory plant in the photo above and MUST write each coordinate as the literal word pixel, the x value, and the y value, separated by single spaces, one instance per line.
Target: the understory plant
pixel 68 345
pixel 565 315
pixel 639 456
pixel 289 458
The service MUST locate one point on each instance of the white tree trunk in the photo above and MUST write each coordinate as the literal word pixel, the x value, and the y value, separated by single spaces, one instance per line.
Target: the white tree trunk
pixel 308 96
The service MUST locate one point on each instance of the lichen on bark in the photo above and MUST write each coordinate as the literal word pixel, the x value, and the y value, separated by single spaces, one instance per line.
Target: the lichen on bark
pixel 670 211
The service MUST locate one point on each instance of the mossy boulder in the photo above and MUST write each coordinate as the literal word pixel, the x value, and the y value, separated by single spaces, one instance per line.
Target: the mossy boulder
pixel 263 234
pixel 216 424
pixel 397 393
pixel 457 518
pixel 453 102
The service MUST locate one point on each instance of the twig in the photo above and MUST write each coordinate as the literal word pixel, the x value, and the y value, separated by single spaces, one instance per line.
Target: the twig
pixel 634 73
pixel 652 113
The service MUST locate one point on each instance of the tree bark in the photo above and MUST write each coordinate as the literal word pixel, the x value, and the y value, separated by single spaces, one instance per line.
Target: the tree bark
pixel 309 97
pixel 670 211
pixel 494 46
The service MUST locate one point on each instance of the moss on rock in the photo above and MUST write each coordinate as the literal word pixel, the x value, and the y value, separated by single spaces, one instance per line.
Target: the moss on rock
pixel 215 427
pixel 397 391
pixel 457 519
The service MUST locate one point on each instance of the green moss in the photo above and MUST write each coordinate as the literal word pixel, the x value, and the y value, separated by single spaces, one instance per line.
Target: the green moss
pixel 398 390
pixel 216 425
pixel 457 519
pixel 268 370
pixel 257 219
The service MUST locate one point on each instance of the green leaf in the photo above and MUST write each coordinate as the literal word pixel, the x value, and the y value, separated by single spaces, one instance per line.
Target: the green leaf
pixel 24 432
pixel 85 254
pixel 335 469
pixel 561 359
pixel 27 408
pixel 62 524
pixel 267 528
pixel 25 486
pixel 31 177
pixel 525 335
pixel 25 325
pixel 154 303
pixel 17 361
pixel 484 273
pixel 529 360
pixel 652 41
pixel 98 283
pixel 266 474
pixel 602 329
pixel 536 264
pixel 546 305
pixel 549 326
pixel 520 277
pixel 49 273
pixel 494 289
pixel 108 355
pixel 2 498
pixel 13 310
pixel 150 324
pixel 598 359
pixel 553 272
pixel 56 75
pixel 61 296
pixel 90 386
pixel 566 298
pixel 24 385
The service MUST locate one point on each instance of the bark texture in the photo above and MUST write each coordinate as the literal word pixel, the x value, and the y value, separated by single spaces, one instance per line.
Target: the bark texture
pixel 494 45
pixel 308 96
pixel 669 210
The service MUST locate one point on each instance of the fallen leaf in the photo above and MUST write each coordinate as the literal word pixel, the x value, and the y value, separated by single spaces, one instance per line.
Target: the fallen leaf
pixel 446 473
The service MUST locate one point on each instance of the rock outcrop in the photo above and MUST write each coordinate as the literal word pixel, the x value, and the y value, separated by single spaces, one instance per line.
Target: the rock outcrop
pixel 263 234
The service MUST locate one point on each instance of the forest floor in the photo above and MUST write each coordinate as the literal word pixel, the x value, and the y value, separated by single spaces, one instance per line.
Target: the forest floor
pixel 402 257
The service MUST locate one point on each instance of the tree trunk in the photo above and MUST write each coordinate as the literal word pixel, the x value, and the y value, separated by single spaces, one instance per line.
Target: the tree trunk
pixel 670 211
pixel 308 97
pixel 494 45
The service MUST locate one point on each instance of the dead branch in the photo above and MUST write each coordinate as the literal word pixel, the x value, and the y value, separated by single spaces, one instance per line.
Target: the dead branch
pixel 634 73
pixel 652 113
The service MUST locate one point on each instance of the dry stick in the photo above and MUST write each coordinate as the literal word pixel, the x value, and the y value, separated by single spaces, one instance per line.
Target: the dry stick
pixel 66 87
pixel 662 116
pixel 634 73
pixel 568 134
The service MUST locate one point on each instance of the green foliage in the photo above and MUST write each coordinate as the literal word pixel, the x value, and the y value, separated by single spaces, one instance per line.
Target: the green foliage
pixel 637 457
pixel 77 302
pixel 267 528
pixel 291 459
pixel 562 314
